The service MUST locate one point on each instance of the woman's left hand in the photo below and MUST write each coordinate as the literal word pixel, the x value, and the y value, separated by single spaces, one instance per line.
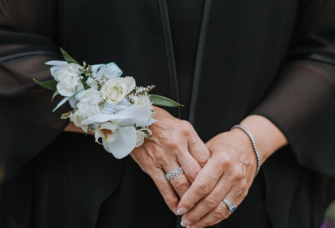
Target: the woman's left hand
pixel 230 171
pixel 228 174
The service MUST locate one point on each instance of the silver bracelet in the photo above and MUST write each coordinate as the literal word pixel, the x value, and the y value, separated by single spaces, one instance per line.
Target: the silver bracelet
pixel 253 144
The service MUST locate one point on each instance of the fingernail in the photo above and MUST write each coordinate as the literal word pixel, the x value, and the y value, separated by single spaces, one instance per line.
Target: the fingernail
pixel 182 224
pixel 181 211
pixel 175 210
pixel 186 222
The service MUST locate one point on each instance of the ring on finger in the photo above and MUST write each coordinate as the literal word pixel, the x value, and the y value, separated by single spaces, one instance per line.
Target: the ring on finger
pixel 174 173
pixel 231 206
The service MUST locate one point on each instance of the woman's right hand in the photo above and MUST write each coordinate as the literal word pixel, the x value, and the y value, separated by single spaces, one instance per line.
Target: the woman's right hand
pixel 174 143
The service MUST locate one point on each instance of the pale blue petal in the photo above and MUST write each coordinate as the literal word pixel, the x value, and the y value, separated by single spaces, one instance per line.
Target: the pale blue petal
pixel 112 108
pixel 80 95
pixel 61 103
pixel 111 69
pixel 56 63
pixel 96 67
pixel 73 102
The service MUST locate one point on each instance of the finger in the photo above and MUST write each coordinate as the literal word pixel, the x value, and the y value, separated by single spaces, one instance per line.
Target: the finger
pixel 235 196
pixel 203 184
pixel 179 183
pixel 198 149
pixel 165 189
pixel 215 216
pixel 209 176
pixel 221 212
pixel 208 203
pixel 190 166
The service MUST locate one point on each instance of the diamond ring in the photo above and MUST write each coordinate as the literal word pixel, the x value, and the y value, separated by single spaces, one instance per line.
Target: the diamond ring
pixel 174 173
pixel 231 207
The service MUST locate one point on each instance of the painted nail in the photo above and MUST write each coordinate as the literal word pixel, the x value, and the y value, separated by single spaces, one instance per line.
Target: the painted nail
pixel 186 222
pixel 182 224
pixel 181 211
pixel 175 210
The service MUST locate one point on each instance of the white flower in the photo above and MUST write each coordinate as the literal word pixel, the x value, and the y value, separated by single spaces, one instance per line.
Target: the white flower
pixel 117 131
pixel 77 118
pixel 89 104
pixel 68 80
pixel 115 90
pixel 139 138
pixel 144 101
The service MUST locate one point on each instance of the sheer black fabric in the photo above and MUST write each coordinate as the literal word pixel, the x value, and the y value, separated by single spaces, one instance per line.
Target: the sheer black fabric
pixel 25 107
pixel 272 58
pixel 302 102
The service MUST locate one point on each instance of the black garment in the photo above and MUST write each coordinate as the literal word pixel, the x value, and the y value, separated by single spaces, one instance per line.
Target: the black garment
pixel 272 58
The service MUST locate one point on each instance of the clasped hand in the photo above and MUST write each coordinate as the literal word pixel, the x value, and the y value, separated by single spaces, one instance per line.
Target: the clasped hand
pixel 222 168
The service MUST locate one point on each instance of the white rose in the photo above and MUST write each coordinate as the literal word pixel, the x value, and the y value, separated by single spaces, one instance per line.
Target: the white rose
pixel 115 90
pixel 68 80
pixel 139 138
pixel 77 118
pixel 89 105
pixel 144 101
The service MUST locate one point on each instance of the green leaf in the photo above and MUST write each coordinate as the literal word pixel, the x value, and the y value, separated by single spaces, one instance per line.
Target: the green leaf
pixel 52 84
pixel 55 94
pixel 86 87
pixel 163 101
pixel 67 57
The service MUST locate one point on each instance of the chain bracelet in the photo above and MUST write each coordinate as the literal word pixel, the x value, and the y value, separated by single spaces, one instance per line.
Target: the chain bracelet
pixel 253 144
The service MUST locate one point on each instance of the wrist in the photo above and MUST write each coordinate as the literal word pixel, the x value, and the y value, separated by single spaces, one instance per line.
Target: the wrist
pixel 267 136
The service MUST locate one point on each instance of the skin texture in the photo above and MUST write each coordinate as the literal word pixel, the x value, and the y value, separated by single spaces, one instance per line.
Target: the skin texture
pixel 174 143
pixel 224 167
pixel 229 172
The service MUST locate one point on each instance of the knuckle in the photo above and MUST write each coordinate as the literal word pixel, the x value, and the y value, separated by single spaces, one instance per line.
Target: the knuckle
pixel 164 187
pixel 204 187
pixel 173 201
pixel 238 175
pixel 181 184
pixel 244 194
pixel 185 127
pixel 211 201
pixel 193 174
pixel 225 216
pixel 244 185
pixel 225 161
pixel 220 213
pixel 193 217
pixel 203 159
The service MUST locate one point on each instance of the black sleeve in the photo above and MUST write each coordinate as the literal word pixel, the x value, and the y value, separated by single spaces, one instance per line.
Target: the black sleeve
pixel 301 103
pixel 28 32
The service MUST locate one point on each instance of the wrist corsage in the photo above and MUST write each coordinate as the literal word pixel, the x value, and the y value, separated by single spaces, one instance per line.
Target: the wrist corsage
pixel 113 107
